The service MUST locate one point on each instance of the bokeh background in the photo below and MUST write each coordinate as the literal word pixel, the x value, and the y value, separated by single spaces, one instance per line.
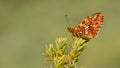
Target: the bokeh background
pixel 27 25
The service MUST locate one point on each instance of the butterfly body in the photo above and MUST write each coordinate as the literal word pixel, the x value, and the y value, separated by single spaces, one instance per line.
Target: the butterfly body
pixel 89 27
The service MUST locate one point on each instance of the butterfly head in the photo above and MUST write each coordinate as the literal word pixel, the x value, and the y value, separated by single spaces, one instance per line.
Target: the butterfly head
pixel 71 30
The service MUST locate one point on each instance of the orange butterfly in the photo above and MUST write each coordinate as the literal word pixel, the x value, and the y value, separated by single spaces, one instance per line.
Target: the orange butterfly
pixel 89 27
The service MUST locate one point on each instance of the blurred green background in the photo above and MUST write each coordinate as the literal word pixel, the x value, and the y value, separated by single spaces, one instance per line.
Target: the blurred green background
pixel 27 25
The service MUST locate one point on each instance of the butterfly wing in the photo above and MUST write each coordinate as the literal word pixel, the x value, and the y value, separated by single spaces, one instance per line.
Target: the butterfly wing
pixel 89 27
pixel 92 25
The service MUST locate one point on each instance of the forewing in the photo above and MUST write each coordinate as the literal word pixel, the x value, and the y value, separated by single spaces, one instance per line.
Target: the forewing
pixel 92 25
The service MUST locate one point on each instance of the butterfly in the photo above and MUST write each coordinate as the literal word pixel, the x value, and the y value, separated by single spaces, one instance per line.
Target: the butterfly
pixel 89 27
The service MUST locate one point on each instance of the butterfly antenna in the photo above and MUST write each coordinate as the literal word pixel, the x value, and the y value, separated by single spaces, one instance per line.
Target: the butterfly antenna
pixel 66 16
